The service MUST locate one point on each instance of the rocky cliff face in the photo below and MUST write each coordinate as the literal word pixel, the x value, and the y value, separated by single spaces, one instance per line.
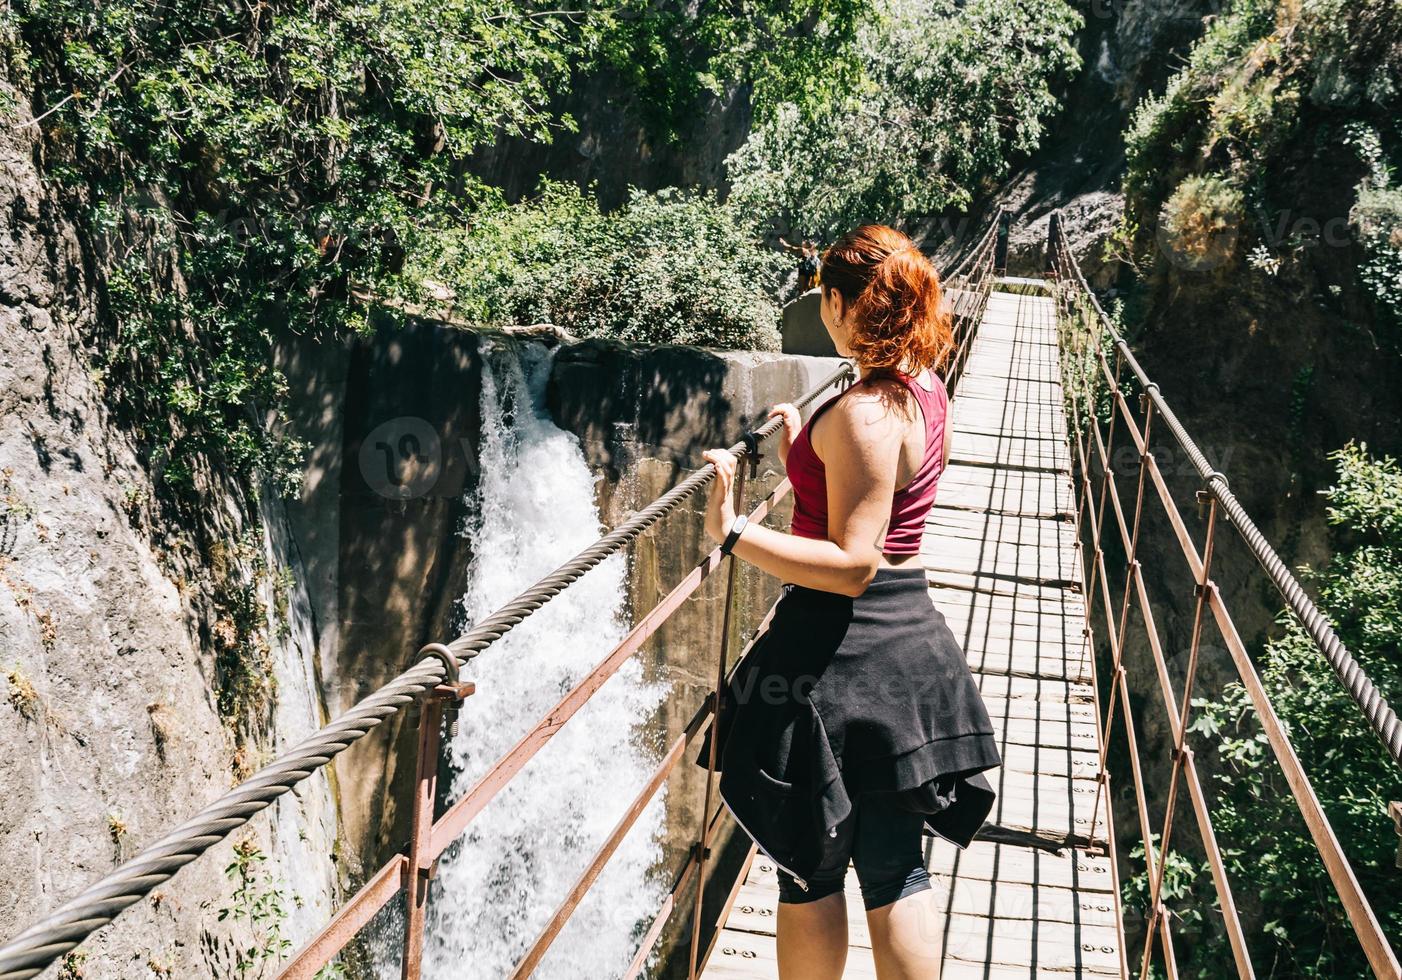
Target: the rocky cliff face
pixel 392 425
pixel 112 617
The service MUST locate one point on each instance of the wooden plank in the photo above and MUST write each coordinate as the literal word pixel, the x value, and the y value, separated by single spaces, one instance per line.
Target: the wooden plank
pixel 1008 941
pixel 1047 560
pixel 1008 416
pixel 1023 616
pixel 1043 690
pixel 944 524
pixel 986 861
pixel 752 955
pixel 1028 493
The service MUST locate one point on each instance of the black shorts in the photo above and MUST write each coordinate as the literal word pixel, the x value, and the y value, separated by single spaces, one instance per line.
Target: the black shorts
pixel 883 841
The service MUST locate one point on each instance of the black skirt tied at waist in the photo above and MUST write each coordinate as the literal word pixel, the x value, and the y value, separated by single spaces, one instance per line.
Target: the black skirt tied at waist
pixel 842 696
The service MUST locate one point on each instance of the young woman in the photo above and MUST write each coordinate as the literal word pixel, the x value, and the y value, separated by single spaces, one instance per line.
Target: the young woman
pixel 853 723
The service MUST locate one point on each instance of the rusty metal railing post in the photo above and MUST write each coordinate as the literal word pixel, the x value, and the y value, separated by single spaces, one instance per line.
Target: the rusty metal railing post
pixel 1216 498
pixel 1201 591
pixel 1394 810
pixel 1000 250
pixel 703 843
pixel 1118 681
pixel 419 869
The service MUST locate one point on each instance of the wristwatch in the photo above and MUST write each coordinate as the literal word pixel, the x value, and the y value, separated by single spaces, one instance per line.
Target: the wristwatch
pixel 735 528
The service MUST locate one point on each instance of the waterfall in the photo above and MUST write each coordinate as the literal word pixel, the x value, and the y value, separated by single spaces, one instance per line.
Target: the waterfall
pixel 534 508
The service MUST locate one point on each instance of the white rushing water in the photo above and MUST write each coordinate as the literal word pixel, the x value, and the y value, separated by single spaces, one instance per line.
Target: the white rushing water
pixel 534 508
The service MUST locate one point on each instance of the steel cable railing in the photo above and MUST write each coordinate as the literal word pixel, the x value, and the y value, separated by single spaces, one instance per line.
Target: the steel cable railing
pixel 988 243
pixel 971 282
pixel 65 927
pixel 1089 340
pixel 1381 717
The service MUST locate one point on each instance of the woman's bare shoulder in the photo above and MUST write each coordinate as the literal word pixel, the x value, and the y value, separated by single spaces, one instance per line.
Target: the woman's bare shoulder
pixel 871 413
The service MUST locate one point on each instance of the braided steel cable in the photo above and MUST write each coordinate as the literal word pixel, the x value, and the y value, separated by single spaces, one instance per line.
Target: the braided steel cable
pixel 64 928
pixel 1380 715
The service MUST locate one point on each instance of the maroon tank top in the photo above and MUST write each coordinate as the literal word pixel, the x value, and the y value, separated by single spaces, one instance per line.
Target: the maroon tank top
pixel 910 504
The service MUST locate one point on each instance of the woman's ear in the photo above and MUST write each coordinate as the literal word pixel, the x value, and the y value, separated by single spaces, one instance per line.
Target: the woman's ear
pixel 835 302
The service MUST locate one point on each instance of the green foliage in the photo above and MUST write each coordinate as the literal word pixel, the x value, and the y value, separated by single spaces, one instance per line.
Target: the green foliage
pixel 260 905
pixel 672 53
pixel 1295 921
pixel 1201 221
pixel 1081 333
pixel 245 682
pixel 1377 221
pixel 245 169
pixel 71 966
pixel 1269 83
pixel 1183 889
pixel 1219 107
pixel 951 92
pixel 242 166
pixel 671 267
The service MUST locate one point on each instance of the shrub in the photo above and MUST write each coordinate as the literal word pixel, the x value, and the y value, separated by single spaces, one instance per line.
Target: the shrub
pixel 22 695
pixel 1267 78
pixel 260 904
pixel 670 267
pixel 1377 221
pixel 1200 223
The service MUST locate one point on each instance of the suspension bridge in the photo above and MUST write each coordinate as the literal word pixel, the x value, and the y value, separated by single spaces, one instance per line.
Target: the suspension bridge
pixel 1015 559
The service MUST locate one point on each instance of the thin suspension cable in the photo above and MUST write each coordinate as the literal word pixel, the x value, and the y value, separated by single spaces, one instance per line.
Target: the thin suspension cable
pixel 975 259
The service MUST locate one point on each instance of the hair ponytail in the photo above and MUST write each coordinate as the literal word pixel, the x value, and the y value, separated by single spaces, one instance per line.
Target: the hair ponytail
pixel 897 318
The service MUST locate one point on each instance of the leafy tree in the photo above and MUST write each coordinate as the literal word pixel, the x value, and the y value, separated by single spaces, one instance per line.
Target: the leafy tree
pixel 951 91
pixel 248 169
pixel 671 53
pixel 239 166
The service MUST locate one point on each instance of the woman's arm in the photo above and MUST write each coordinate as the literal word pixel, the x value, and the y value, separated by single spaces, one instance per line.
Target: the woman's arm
pixel 793 423
pixel 864 441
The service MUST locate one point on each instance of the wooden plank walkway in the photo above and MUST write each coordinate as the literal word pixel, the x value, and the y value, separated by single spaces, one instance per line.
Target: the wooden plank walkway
pixel 1000 554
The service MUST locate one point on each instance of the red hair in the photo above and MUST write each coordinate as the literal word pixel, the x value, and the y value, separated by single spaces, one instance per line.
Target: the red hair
pixel 897 320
